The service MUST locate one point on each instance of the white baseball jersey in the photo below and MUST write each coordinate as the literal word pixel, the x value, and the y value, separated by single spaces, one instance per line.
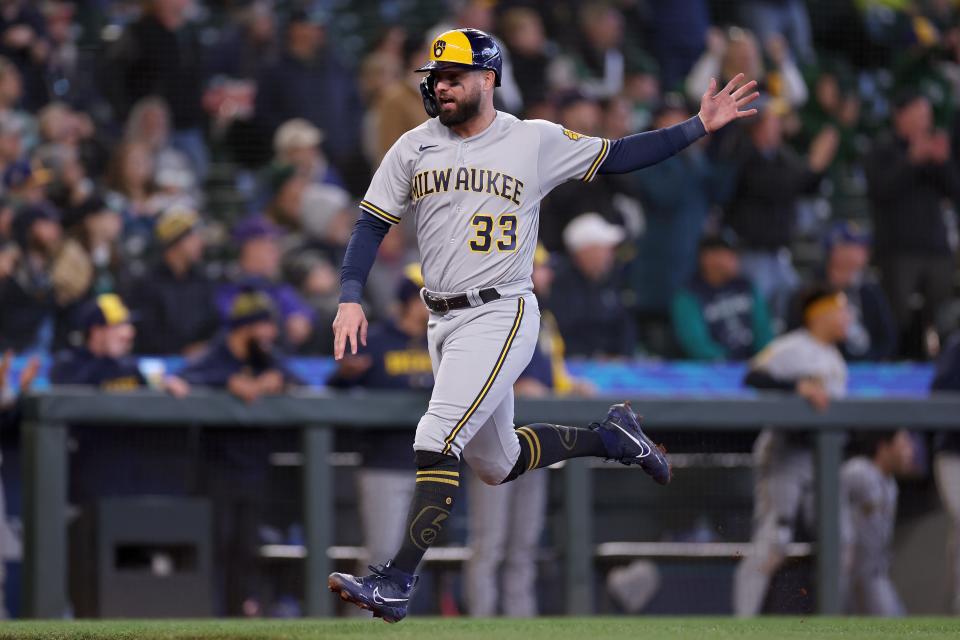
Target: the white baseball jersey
pixel 797 355
pixel 476 201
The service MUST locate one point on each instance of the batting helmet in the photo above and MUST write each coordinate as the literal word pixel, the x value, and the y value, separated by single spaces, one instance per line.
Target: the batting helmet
pixel 459 48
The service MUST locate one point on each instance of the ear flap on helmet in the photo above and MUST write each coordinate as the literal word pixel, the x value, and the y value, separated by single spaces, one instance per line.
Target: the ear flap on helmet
pixel 429 97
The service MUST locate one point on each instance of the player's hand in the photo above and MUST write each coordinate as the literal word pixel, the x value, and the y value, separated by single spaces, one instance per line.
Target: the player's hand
pixel 271 382
pixel 176 387
pixel 815 393
pixel 719 109
pixel 350 324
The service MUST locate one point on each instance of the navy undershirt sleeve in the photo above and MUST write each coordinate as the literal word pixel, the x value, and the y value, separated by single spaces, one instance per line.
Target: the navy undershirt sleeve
pixel 361 252
pixel 644 149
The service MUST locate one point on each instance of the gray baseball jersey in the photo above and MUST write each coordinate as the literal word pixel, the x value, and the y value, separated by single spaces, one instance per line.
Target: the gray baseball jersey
pixel 476 201
pixel 783 465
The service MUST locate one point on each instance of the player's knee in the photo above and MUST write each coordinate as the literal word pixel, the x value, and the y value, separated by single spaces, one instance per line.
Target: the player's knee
pixel 435 461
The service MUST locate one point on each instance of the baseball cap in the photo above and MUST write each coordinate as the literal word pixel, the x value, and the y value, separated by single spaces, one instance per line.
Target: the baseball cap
pixel 254 228
pixel 847 232
pixel 176 223
pixel 410 283
pixel 91 205
pixel 725 239
pixel 590 229
pixel 106 310
pixel 29 214
pixel 297 133
pixel 278 175
pixel 24 174
pixel 249 307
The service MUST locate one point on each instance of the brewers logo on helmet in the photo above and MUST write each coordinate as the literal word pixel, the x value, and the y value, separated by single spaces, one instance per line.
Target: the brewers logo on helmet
pixel 465 47
pixel 469 48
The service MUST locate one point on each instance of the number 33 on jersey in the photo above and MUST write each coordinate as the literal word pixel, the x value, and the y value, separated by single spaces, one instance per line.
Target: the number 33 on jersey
pixel 476 201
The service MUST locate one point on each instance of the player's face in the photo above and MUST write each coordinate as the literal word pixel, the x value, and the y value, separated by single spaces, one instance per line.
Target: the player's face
pixel 458 92
pixel 118 340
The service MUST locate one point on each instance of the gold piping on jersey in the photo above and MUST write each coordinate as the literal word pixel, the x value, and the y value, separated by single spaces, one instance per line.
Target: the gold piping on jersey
pixel 490 379
pixel 377 212
pixel 592 171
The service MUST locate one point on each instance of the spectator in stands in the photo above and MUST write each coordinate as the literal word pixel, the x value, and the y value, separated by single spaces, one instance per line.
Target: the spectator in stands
pixel 590 314
pixel 11 140
pixel 398 107
pixel 69 185
pixel 175 299
pixel 160 55
pixel 947 464
pixel 395 357
pixel 770 180
pixel 297 143
pixel 911 175
pixel 583 115
pixel 246 45
pixel 25 182
pixel 600 60
pixel 676 196
pixel 872 334
pixel 317 282
pixel 506 522
pixel 11 98
pixel 806 362
pixel 719 314
pixel 70 68
pixel 60 124
pixel 785 18
pixel 23 40
pixel 258 267
pixel 869 486
pixel 298 86
pixel 530 52
pixel 149 123
pixel 737 51
pixel 679 31
pixel 28 294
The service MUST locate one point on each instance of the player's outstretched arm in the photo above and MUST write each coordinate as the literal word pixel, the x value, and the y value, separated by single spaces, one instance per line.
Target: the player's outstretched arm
pixel 349 325
pixel 716 110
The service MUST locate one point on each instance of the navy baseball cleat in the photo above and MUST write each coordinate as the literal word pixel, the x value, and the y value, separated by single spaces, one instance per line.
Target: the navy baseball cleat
pixel 386 592
pixel 626 443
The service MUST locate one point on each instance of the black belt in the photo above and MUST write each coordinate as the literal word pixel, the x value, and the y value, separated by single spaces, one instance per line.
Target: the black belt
pixel 440 304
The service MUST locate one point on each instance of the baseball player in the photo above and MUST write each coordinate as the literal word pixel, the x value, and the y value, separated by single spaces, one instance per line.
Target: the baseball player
pixel 808 362
pixel 473 178
pixel 870 494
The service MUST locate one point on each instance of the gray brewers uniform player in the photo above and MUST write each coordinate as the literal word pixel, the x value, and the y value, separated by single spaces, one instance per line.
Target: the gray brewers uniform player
pixel 808 361
pixel 472 178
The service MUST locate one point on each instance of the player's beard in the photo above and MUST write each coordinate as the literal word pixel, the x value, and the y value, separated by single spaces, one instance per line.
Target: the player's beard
pixel 465 111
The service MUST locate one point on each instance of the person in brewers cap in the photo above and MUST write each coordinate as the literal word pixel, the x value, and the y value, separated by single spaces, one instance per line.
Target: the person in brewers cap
pixel 807 362
pixel 472 178
pixel 175 299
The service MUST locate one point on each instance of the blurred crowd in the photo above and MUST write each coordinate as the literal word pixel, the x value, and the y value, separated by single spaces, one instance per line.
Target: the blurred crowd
pixel 178 152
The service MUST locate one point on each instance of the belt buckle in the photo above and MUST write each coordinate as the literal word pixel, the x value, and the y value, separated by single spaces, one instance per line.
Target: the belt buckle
pixel 443 306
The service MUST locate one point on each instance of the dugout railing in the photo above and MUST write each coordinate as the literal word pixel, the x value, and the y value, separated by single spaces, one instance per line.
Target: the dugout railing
pixel 317 413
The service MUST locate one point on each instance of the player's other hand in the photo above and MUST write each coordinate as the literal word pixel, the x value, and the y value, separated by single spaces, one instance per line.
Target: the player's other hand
pixel 717 109
pixel 815 393
pixel 349 325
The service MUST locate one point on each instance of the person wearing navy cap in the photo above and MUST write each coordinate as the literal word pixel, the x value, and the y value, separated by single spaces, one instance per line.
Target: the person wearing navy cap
pixel 258 266
pixel 175 299
pixel 27 312
pixel 872 334
pixel 24 182
pixel 396 358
